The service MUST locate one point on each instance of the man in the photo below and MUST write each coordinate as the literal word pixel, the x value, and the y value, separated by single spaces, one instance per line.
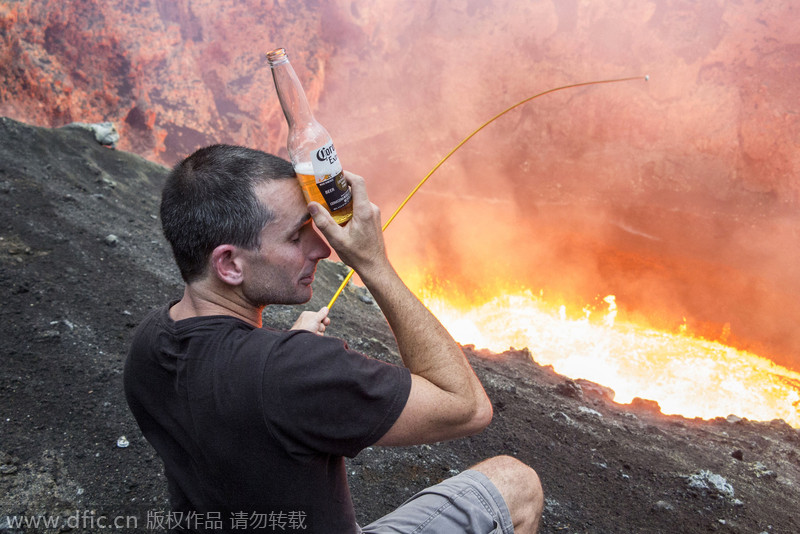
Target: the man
pixel 252 423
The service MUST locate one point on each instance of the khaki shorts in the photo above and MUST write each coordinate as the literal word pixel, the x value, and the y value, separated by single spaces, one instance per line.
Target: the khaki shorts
pixel 467 502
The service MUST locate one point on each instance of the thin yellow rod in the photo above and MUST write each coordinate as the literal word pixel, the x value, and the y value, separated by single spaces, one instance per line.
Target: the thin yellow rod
pixel 459 145
pixel 341 287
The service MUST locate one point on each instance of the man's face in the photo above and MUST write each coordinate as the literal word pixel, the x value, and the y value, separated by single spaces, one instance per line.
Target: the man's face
pixel 282 269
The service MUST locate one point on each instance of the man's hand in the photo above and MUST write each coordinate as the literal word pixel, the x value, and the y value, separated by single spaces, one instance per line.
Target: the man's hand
pixel 314 322
pixel 359 243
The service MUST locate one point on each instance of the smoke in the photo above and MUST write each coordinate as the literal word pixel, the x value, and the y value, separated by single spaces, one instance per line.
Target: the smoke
pixel 679 195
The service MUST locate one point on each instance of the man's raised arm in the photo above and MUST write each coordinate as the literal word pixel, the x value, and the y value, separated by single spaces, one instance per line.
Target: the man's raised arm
pixel 447 400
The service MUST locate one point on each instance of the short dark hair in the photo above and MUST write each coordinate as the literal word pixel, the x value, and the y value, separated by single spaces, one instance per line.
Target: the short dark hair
pixel 209 200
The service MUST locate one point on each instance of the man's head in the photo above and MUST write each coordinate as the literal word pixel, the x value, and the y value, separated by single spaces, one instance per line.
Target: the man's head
pixel 209 199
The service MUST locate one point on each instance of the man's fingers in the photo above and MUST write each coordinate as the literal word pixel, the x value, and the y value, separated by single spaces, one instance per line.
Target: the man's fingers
pixel 313 321
pixel 360 240
pixel 322 219
pixel 359 190
pixel 324 320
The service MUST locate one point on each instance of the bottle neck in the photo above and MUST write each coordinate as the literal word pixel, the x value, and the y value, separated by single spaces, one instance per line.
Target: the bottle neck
pixel 290 91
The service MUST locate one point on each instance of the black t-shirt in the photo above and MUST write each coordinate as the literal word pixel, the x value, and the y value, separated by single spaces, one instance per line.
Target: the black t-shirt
pixel 252 424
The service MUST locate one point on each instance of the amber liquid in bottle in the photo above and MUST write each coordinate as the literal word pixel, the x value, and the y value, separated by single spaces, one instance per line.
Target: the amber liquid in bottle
pixel 312 192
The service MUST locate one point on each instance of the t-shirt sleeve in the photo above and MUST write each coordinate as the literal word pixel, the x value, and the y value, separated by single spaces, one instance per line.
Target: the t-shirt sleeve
pixel 321 397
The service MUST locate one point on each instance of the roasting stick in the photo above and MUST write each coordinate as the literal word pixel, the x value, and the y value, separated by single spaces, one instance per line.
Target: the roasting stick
pixel 463 141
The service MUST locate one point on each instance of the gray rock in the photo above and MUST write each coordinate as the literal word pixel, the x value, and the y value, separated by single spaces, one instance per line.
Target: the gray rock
pixel 104 132
pixel 710 483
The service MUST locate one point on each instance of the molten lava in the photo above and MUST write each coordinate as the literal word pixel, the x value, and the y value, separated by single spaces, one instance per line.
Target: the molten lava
pixel 686 375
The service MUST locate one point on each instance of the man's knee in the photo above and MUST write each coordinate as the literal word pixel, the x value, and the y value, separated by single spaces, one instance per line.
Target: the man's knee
pixel 520 486
pixel 508 469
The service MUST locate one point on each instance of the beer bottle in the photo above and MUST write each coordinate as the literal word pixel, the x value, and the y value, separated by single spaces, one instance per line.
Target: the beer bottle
pixel 311 150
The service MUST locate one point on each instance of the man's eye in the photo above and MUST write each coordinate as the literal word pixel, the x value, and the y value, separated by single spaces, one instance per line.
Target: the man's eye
pixel 295 238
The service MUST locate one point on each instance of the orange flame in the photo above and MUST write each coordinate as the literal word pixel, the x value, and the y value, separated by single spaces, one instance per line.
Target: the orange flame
pixel 688 376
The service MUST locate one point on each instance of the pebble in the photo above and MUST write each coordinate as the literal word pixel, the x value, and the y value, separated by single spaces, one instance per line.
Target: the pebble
pixel 761 471
pixel 708 481
pixel 663 505
pixel 589 411
pixel 561 417
pixel 8 469
pixel 569 388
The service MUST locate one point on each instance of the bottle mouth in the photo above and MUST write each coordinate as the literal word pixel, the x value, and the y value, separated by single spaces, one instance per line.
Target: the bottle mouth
pixel 277 56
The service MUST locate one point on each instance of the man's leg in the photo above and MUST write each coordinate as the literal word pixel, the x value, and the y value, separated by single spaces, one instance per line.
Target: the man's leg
pixel 494 496
pixel 520 487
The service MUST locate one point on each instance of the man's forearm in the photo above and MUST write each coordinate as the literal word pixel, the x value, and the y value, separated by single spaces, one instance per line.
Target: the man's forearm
pixel 426 347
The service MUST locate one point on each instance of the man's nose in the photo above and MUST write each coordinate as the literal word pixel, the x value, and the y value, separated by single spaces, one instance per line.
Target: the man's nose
pixel 318 249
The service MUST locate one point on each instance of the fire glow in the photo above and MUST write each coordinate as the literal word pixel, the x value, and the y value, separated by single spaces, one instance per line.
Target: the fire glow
pixel 686 375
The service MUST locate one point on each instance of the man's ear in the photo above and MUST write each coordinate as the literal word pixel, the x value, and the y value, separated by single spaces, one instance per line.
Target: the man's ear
pixel 226 264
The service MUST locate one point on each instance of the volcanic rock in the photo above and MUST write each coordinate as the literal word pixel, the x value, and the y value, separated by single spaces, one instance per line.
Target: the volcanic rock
pixel 569 388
